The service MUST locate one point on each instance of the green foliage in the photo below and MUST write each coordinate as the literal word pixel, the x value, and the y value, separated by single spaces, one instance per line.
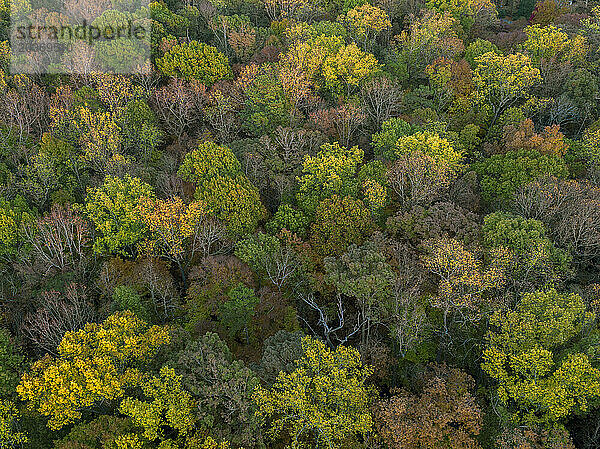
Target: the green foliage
pixel 541 376
pixel 13 215
pixel 537 257
pixel 432 145
pixel 324 402
pixel 221 387
pixel 100 433
pixel 236 313
pixel 195 60
pixel 267 256
pixel 168 406
pixel 331 171
pixel 477 48
pixel 288 218
pixel 267 105
pixel 112 208
pixel 385 140
pixel 501 174
pixel 11 365
pixel 207 161
pixel 127 298
pixel 340 222
pixel 235 201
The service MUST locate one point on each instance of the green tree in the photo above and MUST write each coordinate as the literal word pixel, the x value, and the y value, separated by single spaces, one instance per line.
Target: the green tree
pixel 501 174
pixel 113 208
pixel 538 261
pixel 11 365
pixel 13 215
pixel 236 313
pixel 268 257
pixel 323 403
pixel 502 80
pixel 207 161
pixel 221 387
pixel 363 273
pixel 331 171
pixel 542 374
pixel 235 201
pixel 195 60
pixel 168 406
pixel 339 222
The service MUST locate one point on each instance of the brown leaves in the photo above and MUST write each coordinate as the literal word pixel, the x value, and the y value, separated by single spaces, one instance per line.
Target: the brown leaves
pixel 444 414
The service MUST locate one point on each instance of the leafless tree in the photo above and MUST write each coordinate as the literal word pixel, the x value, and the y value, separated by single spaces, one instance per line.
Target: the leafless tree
pixel 60 241
pixel 380 99
pixel 58 313
pixel 179 104
pixel 331 330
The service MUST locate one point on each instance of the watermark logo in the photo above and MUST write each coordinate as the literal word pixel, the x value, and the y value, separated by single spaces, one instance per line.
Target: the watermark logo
pixel 80 37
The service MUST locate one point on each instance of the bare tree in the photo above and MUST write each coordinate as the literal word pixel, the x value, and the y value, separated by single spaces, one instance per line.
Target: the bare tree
pixel 58 313
pixel 60 241
pixel 380 99
pixel 331 329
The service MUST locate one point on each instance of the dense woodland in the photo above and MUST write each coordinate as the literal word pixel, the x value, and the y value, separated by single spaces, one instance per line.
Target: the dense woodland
pixel 321 224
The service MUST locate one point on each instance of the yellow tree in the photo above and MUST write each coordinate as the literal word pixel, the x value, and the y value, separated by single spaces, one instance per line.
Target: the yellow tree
pixel 502 80
pixel 365 23
pixel 324 402
pixel 96 364
pixel 173 227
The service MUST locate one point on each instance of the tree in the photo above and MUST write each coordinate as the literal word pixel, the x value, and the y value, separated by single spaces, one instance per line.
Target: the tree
pixel 168 405
pixel 464 282
pixel 99 433
pixel 550 141
pixel 535 438
pixel 570 209
pixel 195 60
pixel 538 261
pixel 280 352
pixel 237 312
pixel 58 242
pixel 345 71
pixel 234 201
pixel 380 98
pixel 113 208
pixel 417 179
pixel 331 171
pixel 288 218
pixel 444 414
pixel 173 229
pixel 178 105
pixel 432 145
pixel 363 273
pixel 10 437
pixel 339 222
pixel 14 214
pixel 502 174
pixel 11 365
pixel 221 388
pixel 57 314
pixel 502 80
pixel 323 402
pixel 94 364
pixel 207 161
pixel 542 376
pixel 366 22
pixel 267 256
pixel 431 36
